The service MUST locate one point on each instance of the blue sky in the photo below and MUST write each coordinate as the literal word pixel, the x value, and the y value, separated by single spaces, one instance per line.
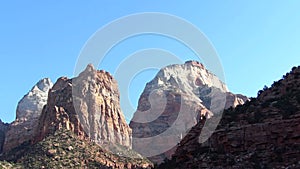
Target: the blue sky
pixel 257 41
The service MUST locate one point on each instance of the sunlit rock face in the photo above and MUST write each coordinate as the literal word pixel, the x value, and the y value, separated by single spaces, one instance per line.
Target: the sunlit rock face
pixel 88 105
pixel 173 102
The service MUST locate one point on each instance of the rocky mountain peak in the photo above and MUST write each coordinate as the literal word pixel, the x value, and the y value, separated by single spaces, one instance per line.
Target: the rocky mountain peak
pixel 89 68
pixel 177 97
pixel 187 77
pixel 31 105
pixel 43 85
pixel 89 106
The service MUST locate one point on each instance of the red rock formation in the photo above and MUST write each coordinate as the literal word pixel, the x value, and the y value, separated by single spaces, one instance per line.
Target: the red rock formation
pixel 59 112
pixel 89 106
pixel 263 133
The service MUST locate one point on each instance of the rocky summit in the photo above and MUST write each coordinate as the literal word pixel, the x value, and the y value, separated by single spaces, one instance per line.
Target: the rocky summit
pixel 28 112
pixel 89 106
pixel 172 103
pixel 262 133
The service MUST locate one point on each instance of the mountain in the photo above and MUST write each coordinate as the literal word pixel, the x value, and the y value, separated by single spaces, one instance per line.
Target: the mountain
pixel 28 112
pixel 80 125
pixel 172 103
pixel 89 106
pixel 262 133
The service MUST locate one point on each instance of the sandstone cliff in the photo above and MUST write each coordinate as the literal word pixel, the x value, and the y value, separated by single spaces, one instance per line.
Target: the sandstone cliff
pixel 263 133
pixel 172 103
pixel 88 105
pixel 28 112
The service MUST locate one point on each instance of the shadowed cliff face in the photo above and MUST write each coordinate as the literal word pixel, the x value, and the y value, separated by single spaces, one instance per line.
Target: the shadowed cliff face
pixel 172 103
pixel 3 130
pixel 89 106
pixel 262 133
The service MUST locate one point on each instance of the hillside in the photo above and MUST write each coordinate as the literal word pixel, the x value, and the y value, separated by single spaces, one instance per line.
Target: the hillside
pixel 262 133
pixel 65 150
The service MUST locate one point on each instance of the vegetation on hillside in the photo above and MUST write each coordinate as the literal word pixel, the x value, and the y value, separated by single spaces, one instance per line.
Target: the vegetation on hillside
pixel 65 150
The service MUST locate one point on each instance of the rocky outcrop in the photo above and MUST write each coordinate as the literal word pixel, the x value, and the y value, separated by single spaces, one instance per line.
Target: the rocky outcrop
pixel 172 103
pixel 3 130
pixel 263 133
pixel 88 105
pixel 28 112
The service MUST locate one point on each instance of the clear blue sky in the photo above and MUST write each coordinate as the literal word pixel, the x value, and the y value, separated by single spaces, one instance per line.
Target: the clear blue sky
pixel 257 41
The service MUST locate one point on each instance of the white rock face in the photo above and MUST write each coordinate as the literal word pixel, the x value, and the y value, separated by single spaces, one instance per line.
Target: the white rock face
pixel 28 112
pixel 31 105
pixel 187 77
pixel 194 80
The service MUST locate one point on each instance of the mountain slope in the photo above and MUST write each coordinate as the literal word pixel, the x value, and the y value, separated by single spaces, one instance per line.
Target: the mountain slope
pixel 262 133
pixel 64 149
